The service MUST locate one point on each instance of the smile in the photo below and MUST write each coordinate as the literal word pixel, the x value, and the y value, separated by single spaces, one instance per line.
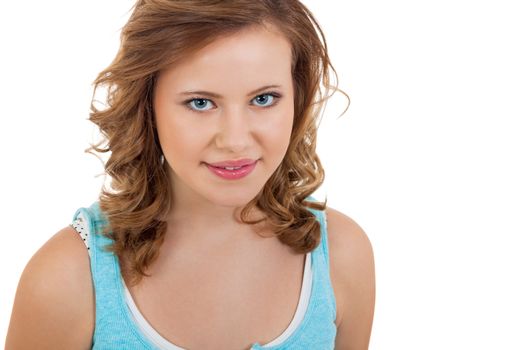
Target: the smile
pixel 232 173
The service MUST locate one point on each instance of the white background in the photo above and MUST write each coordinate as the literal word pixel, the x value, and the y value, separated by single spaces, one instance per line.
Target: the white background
pixel 429 158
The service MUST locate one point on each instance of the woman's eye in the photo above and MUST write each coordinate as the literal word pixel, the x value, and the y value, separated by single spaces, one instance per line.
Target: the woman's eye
pixel 265 99
pixel 198 104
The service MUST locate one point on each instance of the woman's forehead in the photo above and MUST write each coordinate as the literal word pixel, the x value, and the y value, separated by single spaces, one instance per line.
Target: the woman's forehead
pixel 253 56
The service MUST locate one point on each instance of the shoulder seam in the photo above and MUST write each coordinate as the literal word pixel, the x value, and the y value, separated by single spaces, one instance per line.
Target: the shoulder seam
pixel 324 228
pixel 79 224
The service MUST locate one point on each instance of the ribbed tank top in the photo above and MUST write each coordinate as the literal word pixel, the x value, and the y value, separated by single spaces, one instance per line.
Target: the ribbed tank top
pixel 120 325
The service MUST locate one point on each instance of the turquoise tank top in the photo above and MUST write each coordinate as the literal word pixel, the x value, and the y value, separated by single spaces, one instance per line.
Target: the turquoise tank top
pixel 114 324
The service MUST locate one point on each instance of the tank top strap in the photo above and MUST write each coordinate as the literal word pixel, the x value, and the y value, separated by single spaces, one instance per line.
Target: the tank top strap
pixel 110 318
pixel 321 263
pixel 321 218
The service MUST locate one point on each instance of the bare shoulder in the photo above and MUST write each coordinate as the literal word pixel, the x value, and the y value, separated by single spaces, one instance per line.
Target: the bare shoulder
pixel 353 275
pixel 54 301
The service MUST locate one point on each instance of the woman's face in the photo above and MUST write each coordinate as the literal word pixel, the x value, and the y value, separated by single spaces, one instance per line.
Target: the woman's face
pixel 231 100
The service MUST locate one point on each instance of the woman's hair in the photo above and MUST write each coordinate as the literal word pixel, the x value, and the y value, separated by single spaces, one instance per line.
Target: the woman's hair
pixel 158 34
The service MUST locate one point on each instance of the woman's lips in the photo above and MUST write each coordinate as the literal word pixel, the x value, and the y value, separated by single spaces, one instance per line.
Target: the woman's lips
pixel 232 174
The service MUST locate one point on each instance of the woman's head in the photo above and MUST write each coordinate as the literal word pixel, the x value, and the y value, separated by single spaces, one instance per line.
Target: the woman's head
pixel 230 100
pixel 162 44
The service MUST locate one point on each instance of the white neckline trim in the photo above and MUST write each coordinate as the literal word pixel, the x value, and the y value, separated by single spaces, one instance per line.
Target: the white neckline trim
pixel 164 344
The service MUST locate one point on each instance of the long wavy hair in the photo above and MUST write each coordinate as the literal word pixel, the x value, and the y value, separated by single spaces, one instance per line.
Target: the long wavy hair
pixel 157 35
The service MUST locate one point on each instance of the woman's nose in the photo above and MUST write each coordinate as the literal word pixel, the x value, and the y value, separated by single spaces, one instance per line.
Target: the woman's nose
pixel 234 132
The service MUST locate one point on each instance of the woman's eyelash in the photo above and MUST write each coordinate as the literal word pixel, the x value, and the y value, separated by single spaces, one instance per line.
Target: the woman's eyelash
pixel 276 96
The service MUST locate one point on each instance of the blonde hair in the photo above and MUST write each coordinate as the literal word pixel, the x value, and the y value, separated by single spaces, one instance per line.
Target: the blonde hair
pixel 158 34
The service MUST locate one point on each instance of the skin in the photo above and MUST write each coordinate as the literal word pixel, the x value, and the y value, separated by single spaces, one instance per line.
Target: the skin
pixel 239 124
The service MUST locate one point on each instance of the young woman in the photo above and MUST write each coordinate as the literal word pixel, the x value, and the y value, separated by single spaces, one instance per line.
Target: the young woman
pixel 208 237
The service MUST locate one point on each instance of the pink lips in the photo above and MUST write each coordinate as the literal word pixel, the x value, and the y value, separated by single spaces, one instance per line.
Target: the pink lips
pixel 245 167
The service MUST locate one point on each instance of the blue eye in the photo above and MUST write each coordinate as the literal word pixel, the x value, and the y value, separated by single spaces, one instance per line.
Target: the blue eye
pixel 197 103
pixel 263 99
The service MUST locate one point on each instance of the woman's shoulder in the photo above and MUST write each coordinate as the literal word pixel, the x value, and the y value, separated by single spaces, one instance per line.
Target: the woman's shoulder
pixel 353 274
pixel 344 231
pixel 55 285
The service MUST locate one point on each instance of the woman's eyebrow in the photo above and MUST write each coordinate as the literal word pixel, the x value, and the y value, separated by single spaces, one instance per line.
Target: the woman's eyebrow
pixel 212 94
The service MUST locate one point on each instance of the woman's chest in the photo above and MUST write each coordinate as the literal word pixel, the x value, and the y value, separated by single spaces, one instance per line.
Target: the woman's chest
pixel 221 302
